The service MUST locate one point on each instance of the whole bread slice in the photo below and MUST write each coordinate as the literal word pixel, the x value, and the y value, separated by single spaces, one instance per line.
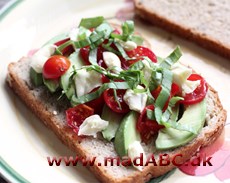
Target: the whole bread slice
pixel 43 104
pixel 205 22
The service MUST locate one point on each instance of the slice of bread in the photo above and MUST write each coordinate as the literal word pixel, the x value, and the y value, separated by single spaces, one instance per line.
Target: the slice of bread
pixel 43 104
pixel 205 22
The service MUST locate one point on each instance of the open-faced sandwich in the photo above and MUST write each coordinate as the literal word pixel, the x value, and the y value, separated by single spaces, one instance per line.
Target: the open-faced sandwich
pixel 102 90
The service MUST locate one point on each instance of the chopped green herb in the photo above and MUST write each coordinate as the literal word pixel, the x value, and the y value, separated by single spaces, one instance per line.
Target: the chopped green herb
pixel 172 58
pixel 91 22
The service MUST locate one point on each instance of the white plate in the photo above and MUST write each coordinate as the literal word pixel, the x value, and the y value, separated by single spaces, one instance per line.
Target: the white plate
pixel 25 142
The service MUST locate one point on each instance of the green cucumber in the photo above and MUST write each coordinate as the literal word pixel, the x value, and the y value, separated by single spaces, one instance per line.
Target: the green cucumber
pixel 36 78
pixel 194 115
pixel 66 82
pixel 126 134
pixel 52 85
pixel 70 91
pixel 114 122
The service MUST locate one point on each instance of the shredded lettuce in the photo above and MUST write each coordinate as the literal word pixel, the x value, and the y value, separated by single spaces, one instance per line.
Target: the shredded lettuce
pixel 91 96
pixel 93 56
pixel 105 28
pixel 91 22
pixel 161 74
pixel 121 50
pixel 171 59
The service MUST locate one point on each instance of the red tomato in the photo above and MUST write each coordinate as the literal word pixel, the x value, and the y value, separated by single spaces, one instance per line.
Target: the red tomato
pixel 68 50
pixel 199 93
pixel 111 102
pixel 147 127
pixel 76 115
pixel 55 67
pixel 84 52
pixel 61 41
pixel 175 89
pixel 97 104
pixel 105 79
pixel 138 53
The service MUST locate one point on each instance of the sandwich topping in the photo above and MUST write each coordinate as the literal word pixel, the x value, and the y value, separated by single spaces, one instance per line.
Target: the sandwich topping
pixel 118 87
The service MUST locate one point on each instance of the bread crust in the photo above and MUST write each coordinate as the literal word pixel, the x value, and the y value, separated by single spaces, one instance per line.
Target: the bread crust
pixel 143 11
pixel 69 138
pixel 24 89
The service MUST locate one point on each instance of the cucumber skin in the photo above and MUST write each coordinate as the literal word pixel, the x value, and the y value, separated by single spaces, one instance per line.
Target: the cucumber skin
pixel 36 78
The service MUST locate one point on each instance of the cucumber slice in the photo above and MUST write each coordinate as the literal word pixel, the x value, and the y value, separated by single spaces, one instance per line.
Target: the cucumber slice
pixel 70 91
pixel 126 134
pixel 194 115
pixel 35 77
pixel 66 81
pixel 114 122
pixel 52 85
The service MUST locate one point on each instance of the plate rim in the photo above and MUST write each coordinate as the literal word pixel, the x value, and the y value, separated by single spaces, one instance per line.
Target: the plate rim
pixel 8 7
pixel 9 173
pixel 6 171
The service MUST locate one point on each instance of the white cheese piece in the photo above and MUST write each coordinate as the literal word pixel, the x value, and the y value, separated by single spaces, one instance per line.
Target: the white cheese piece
pixel 190 86
pixel 74 32
pixel 41 56
pixel 92 125
pixel 180 73
pixel 134 151
pixel 135 101
pixel 86 81
pixel 147 70
pixel 111 60
pixel 129 45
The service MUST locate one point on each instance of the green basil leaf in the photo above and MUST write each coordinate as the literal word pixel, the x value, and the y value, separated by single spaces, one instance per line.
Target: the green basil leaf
pixel 137 39
pixel 162 98
pixel 93 56
pixel 127 29
pixel 104 28
pixel 91 22
pixel 167 79
pixel 121 50
pixel 83 33
pixel 109 48
pixel 94 37
pixel 158 114
pixel 91 96
pixel 150 114
pixel 59 49
pixel 82 43
pixel 174 100
pixel 169 120
pixel 172 58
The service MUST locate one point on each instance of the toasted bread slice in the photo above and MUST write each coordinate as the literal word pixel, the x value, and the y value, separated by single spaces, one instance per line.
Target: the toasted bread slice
pixel 205 22
pixel 42 103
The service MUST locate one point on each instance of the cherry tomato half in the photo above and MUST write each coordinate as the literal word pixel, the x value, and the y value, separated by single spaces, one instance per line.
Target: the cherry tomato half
pixel 111 102
pixel 97 104
pixel 138 53
pixel 199 93
pixel 76 115
pixel 84 52
pixel 147 127
pixel 55 67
